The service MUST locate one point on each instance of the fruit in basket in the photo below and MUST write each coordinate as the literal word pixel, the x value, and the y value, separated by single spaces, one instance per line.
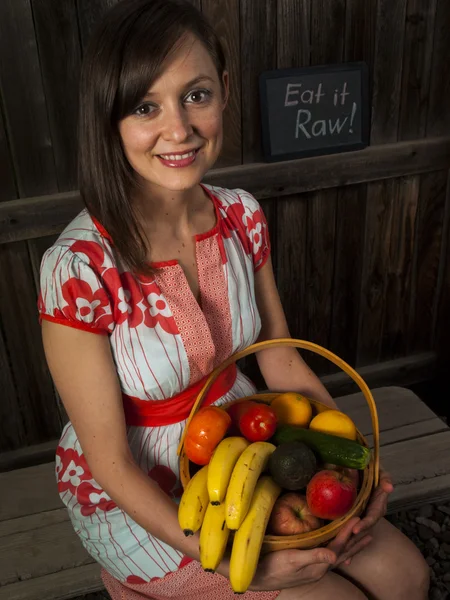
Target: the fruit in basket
pixel 258 423
pixel 330 494
pixel 237 409
pixel 221 466
pixel 291 516
pixel 243 481
pixel 334 422
pixel 194 502
pixel 205 431
pixel 292 465
pixel 292 409
pixel 213 537
pixel 329 448
pixel 249 537
pixel 353 474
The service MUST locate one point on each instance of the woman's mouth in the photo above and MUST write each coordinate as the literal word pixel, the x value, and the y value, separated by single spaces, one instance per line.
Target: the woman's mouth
pixel 178 160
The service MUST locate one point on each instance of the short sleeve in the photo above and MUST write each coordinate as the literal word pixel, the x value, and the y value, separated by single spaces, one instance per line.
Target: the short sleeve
pixel 72 294
pixel 256 229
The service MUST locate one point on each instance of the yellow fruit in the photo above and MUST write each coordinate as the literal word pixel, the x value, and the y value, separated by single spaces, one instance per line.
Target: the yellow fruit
pixel 221 466
pixel 194 502
pixel 249 537
pixel 292 409
pixel 213 537
pixel 334 422
pixel 243 481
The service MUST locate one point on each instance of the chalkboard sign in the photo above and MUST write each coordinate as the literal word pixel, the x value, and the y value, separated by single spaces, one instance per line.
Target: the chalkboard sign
pixel 314 110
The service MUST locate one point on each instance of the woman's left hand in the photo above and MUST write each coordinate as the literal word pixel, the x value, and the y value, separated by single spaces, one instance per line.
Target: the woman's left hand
pixel 376 509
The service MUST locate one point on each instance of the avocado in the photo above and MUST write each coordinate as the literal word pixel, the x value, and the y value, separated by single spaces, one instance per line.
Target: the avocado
pixel 292 465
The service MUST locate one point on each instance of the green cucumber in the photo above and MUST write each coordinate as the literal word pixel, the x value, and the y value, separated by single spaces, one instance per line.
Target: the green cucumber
pixel 329 448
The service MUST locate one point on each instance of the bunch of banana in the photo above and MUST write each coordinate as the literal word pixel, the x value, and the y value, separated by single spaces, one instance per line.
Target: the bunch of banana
pixel 226 495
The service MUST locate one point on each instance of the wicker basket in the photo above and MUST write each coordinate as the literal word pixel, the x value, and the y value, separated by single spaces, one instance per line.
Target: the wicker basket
pixel 370 474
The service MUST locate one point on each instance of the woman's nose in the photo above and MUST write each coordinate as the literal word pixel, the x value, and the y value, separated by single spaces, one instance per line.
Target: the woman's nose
pixel 176 125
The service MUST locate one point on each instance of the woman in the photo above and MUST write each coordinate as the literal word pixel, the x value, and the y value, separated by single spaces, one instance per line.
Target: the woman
pixel 154 284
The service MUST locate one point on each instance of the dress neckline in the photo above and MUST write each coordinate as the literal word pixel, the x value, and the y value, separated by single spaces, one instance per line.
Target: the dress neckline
pixel 197 237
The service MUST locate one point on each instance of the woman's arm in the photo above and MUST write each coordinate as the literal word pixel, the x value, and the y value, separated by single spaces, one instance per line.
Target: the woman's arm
pixel 84 373
pixel 283 369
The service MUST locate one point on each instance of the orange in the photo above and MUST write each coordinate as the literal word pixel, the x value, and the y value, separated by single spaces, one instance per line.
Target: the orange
pixel 292 409
pixel 334 422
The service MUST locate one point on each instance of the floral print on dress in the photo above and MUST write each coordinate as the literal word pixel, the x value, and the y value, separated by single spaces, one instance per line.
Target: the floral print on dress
pixel 71 469
pixel 158 312
pixel 90 252
pixel 128 298
pixel 92 498
pixel 248 221
pixel 84 305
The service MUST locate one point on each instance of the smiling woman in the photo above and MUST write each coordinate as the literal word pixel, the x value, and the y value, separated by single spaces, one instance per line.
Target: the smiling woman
pixel 153 87
pixel 174 136
pixel 154 284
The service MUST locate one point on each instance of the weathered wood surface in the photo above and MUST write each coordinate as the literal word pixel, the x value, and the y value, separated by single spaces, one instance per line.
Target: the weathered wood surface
pixel 30 491
pixel 56 586
pixel 38 545
pixel 438 117
pixel 441 317
pixel 28 218
pixel 390 27
pixel 428 253
pixel 258 53
pixel 416 74
pixel 225 14
pixel 58 40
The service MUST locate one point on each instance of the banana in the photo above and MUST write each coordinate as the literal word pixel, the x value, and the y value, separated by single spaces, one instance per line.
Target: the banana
pixel 243 480
pixel 194 502
pixel 249 537
pixel 221 466
pixel 213 537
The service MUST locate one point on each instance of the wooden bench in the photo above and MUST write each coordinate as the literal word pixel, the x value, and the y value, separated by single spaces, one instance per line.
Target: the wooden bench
pixel 42 558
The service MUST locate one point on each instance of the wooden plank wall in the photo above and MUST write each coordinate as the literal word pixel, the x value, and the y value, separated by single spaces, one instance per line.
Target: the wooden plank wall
pixel 361 268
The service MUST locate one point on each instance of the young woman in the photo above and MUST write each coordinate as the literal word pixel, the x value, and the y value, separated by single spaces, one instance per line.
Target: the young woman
pixel 149 288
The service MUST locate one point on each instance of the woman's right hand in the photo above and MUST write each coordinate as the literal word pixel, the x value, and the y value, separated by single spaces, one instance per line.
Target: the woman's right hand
pixel 290 568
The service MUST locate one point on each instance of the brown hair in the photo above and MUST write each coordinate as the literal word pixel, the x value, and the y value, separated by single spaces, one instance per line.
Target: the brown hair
pixel 124 56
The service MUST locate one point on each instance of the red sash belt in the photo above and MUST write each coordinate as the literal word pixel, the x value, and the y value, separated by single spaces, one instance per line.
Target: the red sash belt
pixel 155 413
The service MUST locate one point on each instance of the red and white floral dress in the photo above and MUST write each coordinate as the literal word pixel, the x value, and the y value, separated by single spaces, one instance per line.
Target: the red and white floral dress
pixel 163 343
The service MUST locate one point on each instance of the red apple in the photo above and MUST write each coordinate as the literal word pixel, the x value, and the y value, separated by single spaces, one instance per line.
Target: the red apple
pixel 330 494
pixel 291 516
pixel 352 473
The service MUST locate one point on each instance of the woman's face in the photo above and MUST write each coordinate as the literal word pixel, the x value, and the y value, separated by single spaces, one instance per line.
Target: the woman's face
pixel 175 135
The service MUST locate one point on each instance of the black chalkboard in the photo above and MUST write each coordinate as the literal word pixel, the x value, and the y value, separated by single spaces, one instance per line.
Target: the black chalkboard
pixel 314 110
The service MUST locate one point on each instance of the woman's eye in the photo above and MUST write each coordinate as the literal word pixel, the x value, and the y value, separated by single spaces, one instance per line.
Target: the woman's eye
pixel 198 96
pixel 144 110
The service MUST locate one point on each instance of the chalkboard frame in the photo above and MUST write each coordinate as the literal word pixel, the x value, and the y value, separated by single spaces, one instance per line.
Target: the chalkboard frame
pixel 296 72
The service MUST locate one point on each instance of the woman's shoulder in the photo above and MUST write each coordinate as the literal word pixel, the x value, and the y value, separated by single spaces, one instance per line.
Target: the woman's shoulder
pixel 228 197
pixel 81 229
pixel 82 241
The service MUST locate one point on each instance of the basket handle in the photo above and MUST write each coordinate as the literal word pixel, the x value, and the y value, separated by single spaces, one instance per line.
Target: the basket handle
pixel 304 345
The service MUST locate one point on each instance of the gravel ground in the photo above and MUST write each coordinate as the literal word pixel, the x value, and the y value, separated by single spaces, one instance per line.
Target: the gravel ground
pixel 428 527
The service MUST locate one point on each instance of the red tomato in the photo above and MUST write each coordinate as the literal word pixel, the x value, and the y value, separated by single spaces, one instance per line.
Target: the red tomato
pixel 258 423
pixel 237 409
pixel 205 431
